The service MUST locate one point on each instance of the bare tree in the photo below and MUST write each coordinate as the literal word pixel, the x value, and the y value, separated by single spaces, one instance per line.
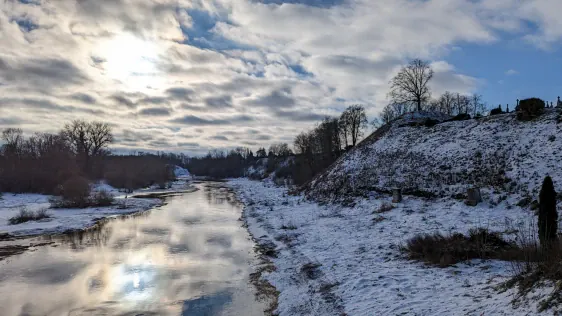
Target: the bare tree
pixel 388 114
pixel 355 120
pixel 88 139
pixel 462 104
pixel 13 139
pixel 477 106
pixel 280 150
pixel 410 85
pixel 447 103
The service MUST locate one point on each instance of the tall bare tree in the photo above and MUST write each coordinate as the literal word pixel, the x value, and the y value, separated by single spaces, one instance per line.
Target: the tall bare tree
pixel 447 103
pixel 355 120
pixel 410 85
pixel 88 139
pixel 13 139
pixel 476 104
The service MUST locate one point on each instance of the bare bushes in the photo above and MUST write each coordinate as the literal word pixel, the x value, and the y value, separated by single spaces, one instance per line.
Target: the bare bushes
pixel 26 216
pixel 447 250
pixel 134 172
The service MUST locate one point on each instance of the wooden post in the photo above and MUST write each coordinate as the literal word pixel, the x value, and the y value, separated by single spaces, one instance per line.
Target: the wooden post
pixel 474 196
pixel 396 195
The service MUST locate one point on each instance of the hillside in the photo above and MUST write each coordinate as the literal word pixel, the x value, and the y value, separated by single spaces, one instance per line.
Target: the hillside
pixel 496 152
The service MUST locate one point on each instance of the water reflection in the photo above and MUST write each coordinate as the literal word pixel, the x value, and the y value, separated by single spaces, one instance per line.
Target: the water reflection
pixel 188 257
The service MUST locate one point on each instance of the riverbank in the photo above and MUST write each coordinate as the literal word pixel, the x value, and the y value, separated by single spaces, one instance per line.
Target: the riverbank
pixel 331 260
pixel 62 220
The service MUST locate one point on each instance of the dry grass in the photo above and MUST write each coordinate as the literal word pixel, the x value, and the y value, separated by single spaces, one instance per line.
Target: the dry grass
pixel 447 250
pixel 27 216
pixel 385 207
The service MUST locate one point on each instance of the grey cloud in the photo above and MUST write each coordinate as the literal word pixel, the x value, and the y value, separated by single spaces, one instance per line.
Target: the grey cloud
pixel 11 121
pixel 195 120
pixel 218 137
pixel 153 100
pixel 47 105
pixel 123 100
pixel 180 93
pixel 219 102
pixel 188 106
pixel 160 143
pixel 83 97
pixel 249 143
pixel 134 136
pixel 253 131
pixel 155 112
pixel 276 99
pixel 187 144
pixel 44 72
pixel 263 137
pixel 300 116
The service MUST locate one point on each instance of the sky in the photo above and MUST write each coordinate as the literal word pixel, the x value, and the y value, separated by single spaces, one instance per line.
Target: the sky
pixel 188 76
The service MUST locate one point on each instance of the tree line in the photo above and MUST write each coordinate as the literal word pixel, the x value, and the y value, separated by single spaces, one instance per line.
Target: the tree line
pixel 44 162
pixel 312 152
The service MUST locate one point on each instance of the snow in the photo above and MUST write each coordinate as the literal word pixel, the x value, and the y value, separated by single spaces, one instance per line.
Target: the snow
pixel 62 220
pixel 445 159
pixel 361 270
pixel 180 172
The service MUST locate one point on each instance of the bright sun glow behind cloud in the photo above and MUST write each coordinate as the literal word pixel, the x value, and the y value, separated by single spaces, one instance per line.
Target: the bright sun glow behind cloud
pixel 132 61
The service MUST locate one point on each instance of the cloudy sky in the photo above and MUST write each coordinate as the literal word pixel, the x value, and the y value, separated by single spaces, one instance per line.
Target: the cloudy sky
pixel 187 76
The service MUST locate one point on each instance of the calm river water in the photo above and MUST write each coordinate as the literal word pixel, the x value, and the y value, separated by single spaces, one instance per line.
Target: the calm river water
pixel 189 257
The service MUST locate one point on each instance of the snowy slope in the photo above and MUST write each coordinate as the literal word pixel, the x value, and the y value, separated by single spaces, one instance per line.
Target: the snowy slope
pixel 357 268
pixel 445 159
pixel 180 172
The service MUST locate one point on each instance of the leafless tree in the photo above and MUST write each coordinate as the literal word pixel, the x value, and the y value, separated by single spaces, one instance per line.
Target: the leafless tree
pixel 13 139
pixel 280 150
pixel 447 103
pixel 410 85
pixel 462 104
pixel 355 120
pixel 387 114
pixel 88 139
pixel 477 106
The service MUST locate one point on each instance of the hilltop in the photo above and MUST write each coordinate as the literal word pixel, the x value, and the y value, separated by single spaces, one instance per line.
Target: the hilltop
pixel 497 152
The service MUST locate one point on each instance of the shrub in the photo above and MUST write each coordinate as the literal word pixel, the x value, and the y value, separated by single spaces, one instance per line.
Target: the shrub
pixel 101 198
pixel 496 111
pixel 430 122
pixel 530 108
pixel 26 216
pixel 548 217
pixel 447 250
pixel 385 207
pixel 75 192
pixel 461 117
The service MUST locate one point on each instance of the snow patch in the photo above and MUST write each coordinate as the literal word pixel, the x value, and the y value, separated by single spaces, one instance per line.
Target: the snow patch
pixel 357 265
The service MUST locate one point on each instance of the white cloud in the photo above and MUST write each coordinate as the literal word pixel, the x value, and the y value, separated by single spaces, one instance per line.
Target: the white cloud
pixel 511 72
pixel 283 65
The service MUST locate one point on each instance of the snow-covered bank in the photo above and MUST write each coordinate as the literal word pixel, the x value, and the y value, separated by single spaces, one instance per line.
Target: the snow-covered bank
pixel 61 220
pixel 333 259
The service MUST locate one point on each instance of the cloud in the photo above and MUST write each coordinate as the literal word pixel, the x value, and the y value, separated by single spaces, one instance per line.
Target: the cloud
pixel 123 100
pixel 155 112
pixel 198 121
pixel 223 66
pixel 218 102
pixel 180 93
pixel 84 98
pixel 42 72
pixel 511 72
pixel 275 99
pixel 218 137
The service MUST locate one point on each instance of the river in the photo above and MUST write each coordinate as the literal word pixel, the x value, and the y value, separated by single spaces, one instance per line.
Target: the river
pixel 190 256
